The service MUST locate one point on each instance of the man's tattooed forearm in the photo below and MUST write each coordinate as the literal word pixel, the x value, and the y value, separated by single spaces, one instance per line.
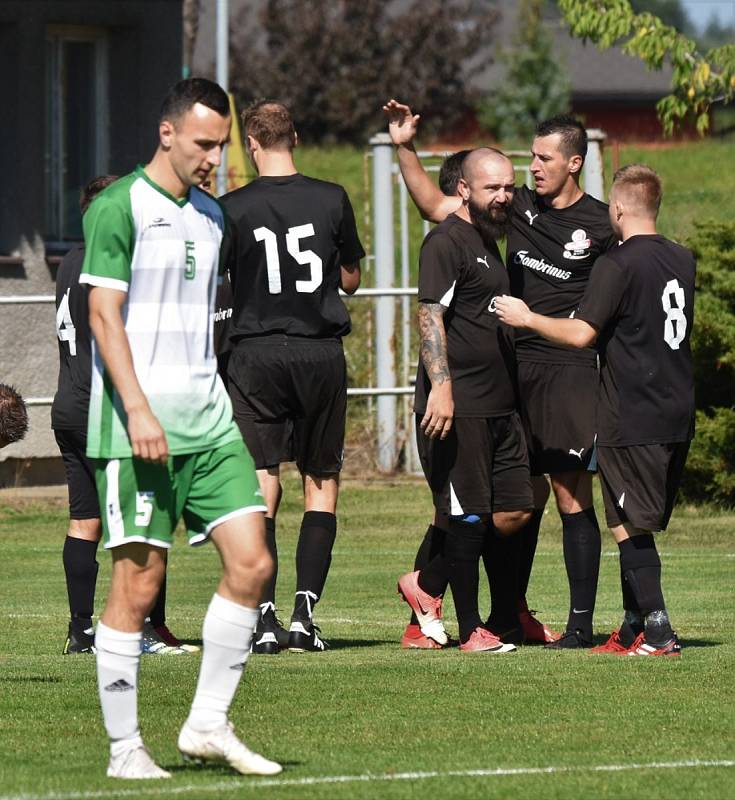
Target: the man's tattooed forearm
pixel 433 341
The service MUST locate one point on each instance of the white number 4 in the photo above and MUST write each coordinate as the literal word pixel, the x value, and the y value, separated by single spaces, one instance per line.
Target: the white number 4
pixel 675 326
pixel 65 329
pixel 300 256
pixel 143 508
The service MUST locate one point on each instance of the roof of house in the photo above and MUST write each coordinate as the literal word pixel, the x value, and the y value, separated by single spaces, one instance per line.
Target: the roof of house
pixel 594 74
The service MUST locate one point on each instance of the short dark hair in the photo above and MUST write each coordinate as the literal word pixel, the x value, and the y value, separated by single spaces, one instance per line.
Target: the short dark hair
pixel 451 171
pixel 13 415
pixel 572 132
pixel 270 124
pixel 184 95
pixel 93 188
pixel 643 187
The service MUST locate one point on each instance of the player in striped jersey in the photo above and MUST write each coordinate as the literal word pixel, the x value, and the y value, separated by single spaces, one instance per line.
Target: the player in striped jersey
pixel 161 429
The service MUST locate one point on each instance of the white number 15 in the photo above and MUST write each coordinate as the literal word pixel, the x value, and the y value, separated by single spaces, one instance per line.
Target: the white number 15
pixel 300 256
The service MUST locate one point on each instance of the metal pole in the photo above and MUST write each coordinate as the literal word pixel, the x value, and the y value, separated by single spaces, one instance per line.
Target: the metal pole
pixel 406 402
pixel 223 64
pixel 594 183
pixel 384 306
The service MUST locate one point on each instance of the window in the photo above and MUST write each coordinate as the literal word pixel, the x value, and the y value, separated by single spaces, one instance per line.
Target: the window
pixel 76 123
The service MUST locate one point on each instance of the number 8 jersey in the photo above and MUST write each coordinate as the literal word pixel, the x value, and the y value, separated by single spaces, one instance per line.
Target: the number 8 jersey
pixel 290 236
pixel 640 297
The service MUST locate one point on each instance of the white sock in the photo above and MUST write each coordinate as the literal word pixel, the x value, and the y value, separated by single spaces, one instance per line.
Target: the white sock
pixel 226 635
pixel 118 657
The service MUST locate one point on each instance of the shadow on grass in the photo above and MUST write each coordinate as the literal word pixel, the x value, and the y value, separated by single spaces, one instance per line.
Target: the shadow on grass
pixel 687 644
pixel 30 679
pixel 218 768
pixel 345 644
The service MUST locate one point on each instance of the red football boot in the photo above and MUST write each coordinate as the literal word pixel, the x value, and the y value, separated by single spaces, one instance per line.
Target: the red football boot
pixel 612 645
pixel 535 632
pixel 428 609
pixel 413 639
pixel 641 648
pixel 481 640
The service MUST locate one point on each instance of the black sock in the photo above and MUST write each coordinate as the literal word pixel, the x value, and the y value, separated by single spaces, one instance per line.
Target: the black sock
pixel 80 568
pixel 269 594
pixel 431 547
pixel 501 555
pixel 313 557
pixel 641 566
pixel 582 559
pixel 158 612
pixel 463 548
pixel 632 623
pixel 528 537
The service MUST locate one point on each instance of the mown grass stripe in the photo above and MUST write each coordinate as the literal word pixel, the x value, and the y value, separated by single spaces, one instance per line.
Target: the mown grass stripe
pixel 168 790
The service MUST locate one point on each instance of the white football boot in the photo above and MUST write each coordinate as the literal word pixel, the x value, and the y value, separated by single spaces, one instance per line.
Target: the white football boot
pixel 135 764
pixel 222 744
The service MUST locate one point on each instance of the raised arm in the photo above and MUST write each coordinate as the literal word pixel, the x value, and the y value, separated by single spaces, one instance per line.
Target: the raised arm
pixel 571 332
pixel 431 202
pixel 105 319
pixel 437 420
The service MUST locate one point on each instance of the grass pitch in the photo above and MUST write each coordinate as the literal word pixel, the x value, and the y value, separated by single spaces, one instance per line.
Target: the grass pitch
pixel 367 719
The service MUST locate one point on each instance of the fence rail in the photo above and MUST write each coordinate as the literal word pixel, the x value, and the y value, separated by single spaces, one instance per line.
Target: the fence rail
pixel 357 391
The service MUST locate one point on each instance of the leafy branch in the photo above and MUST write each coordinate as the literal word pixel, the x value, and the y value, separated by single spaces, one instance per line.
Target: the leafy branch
pixel 698 80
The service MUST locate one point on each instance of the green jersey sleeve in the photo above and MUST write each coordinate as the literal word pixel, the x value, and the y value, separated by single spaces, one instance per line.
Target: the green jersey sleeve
pixel 109 237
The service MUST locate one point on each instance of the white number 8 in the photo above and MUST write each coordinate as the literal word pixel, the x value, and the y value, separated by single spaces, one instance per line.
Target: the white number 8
pixel 675 326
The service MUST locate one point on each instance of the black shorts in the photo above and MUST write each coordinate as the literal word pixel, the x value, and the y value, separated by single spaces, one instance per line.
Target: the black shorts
pixel 83 502
pixel 481 467
pixel 640 482
pixel 289 399
pixel 558 404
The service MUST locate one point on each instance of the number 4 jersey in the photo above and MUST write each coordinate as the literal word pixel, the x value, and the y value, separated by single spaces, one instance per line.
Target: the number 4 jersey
pixel 641 298
pixel 164 254
pixel 290 236
pixel 69 411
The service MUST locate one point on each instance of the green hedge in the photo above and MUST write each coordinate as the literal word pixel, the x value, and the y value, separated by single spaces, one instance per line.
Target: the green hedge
pixel 710 470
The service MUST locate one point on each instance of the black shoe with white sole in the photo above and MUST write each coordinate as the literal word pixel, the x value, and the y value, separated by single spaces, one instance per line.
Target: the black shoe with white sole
pixel 570 640
pixel 303 637
pixel 270 637
pixel 79 641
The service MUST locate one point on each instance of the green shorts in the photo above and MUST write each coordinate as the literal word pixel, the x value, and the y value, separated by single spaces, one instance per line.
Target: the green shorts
pixel 142 502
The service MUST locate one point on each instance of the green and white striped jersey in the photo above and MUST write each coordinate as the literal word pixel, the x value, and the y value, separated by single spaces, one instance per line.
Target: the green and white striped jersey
pixel 164 254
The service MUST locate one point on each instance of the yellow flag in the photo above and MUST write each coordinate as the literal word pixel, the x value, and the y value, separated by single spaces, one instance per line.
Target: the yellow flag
pixel 236 173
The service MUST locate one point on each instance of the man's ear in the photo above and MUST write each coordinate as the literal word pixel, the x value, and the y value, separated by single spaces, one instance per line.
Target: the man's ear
pixel 575 164
pixel 166 133
pixel 619 210
pixel 464 189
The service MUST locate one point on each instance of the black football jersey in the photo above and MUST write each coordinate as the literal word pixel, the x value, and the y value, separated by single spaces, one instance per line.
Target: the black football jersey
pixel 550 256
pixel 290 237
pixel 641 298
pixel 458 270
pixel 222 315
pixel 71 402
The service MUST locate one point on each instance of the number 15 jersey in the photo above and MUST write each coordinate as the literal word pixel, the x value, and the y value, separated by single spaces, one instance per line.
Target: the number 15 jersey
pixel 290 236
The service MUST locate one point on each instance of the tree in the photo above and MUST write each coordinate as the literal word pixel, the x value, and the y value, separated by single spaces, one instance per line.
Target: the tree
pixel 698 80
pixel 335 62
pixel 710 470
pixel 670 12
pixel 535 87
